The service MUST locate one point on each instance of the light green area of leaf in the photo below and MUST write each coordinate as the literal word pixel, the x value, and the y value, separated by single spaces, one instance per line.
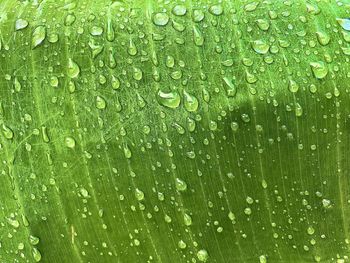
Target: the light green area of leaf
pixel 174 131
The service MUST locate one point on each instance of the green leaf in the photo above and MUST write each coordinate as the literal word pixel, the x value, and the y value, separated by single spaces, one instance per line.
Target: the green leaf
pixel 174 131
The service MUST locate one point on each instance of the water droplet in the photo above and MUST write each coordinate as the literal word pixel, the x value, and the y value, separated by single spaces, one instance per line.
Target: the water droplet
pixel 160 19
pixel 202 255
pixel 262 259
pixel 137 73
pixel 73 69
pixel 319 69
pixel 21 24
pixel 263 24
pixel 54 81
pixel 310 230
pixel 127 152
pixel 110 31
pixel 33 240
pixel 323 38
pixel 198 15
pixel 179 10
pixel 260 46
pixel 69 20
pixel 100 103
pixel 180 185
pixel 36 254
pixel 115 82
pixel 169 61
pixel 70 142
pixel 190 102
pixel 251 6
pixel 248 211
pixel 230 87
pixel 84 192
pixel 7 132
pixel 250 78
pixel 264 184
pixel 216 10
pixel 45 135
pixel 293 86
pixel 96 31
pixel 132 49
pixel 139 194
pixel 17 85
pixel 344 23
pixel 197 37
pixel 231 216
pixel 39 35
pixel 170 99
pixel 187 219
pixel 182 244
pixel 298 110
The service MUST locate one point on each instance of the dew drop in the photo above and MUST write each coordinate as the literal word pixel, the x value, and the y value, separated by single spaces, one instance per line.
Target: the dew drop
pixel 190 102
pixel 293 86
pixel 202 255
pixel 73 69
pixel 39 35
pixel 100 103
pixel 70 142
pixel 170 99
pixel 160 19
pixel 319 69
pixel 260 46
pixel 344 23
pixel 139 194
pixel 21 24
pixel 230 87
pixel 180 185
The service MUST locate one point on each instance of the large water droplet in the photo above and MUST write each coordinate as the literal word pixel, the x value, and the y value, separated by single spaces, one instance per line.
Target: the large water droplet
pixel 190 102
pixel 319 69
pixel 260 46
pixel 100 103
pixel 202 255
pixel 323 38
pixel 39 35
pixel 160 19
pixel 344 23
pixel 180 185
pixel 179 10
pixel 230 87
pixel 73 69
pixel 293 86
pixel 70 142
pixel 21 24
pixel 170 99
